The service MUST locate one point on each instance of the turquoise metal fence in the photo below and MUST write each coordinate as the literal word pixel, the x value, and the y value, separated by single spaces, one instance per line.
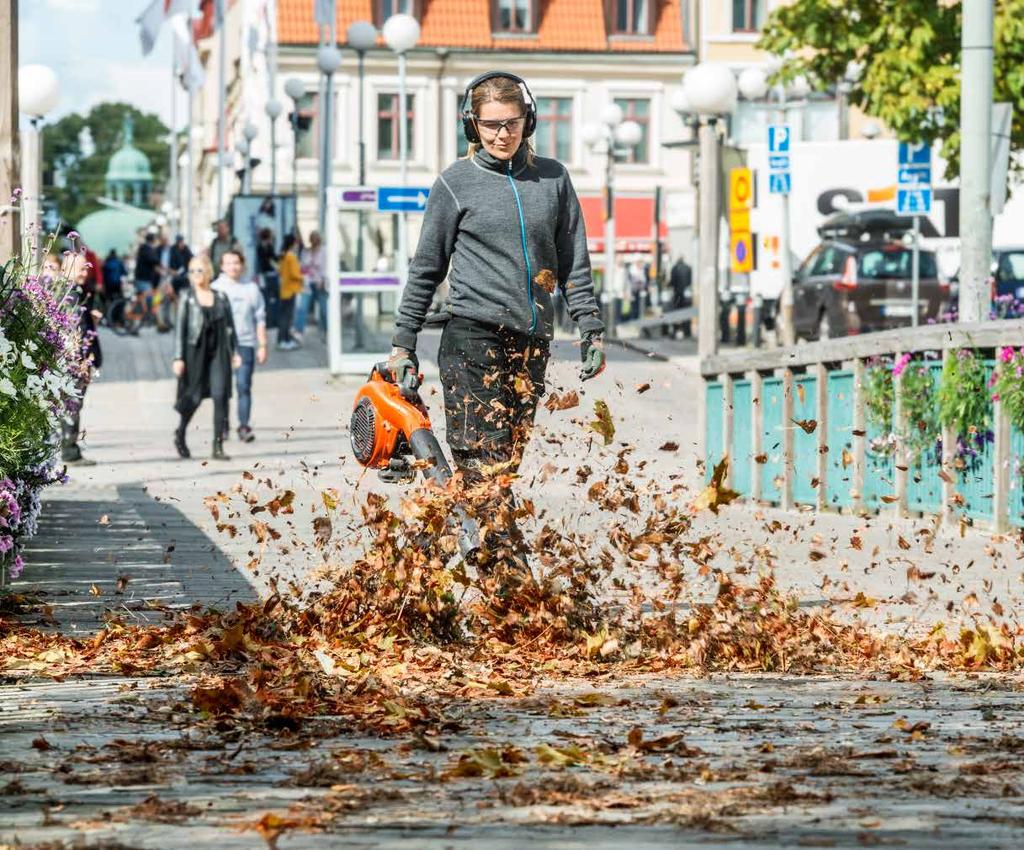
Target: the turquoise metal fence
pixel 924 484
pixel 772 443
pixel 974 481
pixel 805 445
pixel 1016 475
pixel 741 453
pixel 714 441
pixel 778 454
pixel 839 439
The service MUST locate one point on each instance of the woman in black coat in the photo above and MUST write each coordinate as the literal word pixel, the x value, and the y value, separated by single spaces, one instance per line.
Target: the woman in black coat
pixel 206 351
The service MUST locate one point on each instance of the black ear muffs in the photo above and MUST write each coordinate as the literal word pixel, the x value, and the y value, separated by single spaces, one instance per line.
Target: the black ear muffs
pixel 469 125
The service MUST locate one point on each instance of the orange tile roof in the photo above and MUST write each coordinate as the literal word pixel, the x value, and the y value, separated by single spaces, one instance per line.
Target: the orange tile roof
pixel 565 25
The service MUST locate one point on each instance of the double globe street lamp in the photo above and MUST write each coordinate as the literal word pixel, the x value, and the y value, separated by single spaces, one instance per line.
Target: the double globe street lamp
pixel 296 91
pixel 401 33
pixel 709 93
pixel 361 37
pixel 38 94
pixel 615 138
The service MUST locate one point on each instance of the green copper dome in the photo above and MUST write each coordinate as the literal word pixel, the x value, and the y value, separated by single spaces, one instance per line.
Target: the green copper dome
pixel 129 178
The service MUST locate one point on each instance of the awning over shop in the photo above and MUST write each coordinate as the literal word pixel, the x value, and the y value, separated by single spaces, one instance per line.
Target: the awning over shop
pixel 634 223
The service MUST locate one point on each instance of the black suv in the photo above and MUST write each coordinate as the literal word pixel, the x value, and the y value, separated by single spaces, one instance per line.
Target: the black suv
pixel 859 278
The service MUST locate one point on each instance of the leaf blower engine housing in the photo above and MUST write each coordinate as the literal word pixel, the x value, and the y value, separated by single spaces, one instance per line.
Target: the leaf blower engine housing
pixel 389 422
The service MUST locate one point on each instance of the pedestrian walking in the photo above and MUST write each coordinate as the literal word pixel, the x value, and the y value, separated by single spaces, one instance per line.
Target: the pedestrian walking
pixel 267 273
pixel 222 242
pixel 314 293
pixel 681 283
pixel 505 226
pixel 83 296
pixel 205 352
pixel 250 317
pixel 290 271
pixel 113 274
pixel 178 259
pixel 147 269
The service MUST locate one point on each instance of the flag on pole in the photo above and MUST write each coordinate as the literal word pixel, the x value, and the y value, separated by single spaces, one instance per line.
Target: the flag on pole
pixel 187 66
pixel 149 24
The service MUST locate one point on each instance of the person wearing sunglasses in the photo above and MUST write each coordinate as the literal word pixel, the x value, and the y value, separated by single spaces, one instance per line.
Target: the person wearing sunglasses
pixel 504 227
pixel 206 351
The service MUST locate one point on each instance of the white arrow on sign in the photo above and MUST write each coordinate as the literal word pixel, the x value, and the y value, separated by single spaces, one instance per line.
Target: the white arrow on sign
pixel 419 198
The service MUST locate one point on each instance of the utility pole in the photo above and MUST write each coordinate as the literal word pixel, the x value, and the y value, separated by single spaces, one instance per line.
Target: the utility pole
pixel 710 187
pixel 975 141
pixel 10 226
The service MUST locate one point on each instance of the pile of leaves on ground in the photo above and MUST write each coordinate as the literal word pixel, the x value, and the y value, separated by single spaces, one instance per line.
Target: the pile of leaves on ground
pixel 393 623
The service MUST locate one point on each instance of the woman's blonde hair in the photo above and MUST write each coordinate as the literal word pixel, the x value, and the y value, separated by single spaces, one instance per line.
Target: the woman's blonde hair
pixel 204 261
pixel 501 90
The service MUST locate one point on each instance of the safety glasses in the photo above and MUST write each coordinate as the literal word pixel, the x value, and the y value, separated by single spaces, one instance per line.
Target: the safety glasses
pixel 493 128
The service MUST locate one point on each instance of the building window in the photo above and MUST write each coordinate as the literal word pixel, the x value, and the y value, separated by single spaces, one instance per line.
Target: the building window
pixel 639 110
pixel 554 128
pixel 386 8
pixel 630 17
pixel 387 125
pixel 747 15
pixel 307 137
pixel 513 16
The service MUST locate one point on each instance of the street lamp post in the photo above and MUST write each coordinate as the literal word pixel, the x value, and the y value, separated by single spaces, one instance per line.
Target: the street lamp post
pixel 38 93
pixel 295 89
pixel 710 91
pixel 614 138
pixel 401 33
pixel 273 109
pixel 328 59
pixel 361 36
pixel 249 133
pixel 753 85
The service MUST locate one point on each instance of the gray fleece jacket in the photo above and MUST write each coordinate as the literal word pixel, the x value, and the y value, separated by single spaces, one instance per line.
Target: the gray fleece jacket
pixel 504 233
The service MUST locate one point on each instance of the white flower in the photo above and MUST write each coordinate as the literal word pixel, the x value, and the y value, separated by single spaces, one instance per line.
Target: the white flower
pixel 27 361
pixel 7 387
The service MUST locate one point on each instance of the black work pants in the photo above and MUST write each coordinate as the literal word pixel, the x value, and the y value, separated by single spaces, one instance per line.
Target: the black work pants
pixel 492 379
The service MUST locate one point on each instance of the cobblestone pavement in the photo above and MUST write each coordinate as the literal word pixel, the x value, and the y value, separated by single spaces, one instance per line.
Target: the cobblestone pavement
pixel 744 761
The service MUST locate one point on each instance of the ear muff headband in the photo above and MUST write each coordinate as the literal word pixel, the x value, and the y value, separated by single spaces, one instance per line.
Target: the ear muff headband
pixel 468 126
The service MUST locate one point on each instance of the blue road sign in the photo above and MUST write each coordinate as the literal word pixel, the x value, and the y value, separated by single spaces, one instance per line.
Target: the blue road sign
pixel 915 175
pixel 915 153
pixel 778 138
pixel 779 162
pixel 914 201
pixel 402 198
pixel 779 182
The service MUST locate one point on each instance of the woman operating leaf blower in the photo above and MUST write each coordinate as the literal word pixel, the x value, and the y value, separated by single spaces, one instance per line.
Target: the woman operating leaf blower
pixel 505 227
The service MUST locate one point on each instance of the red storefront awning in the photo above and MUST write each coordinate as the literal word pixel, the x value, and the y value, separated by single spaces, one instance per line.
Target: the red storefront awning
pixel 634 224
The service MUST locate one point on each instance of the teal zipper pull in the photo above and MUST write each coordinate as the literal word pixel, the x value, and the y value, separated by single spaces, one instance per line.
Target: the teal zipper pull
pixel 526 253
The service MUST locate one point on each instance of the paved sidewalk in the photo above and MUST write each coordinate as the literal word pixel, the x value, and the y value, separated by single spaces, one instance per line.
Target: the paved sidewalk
pixel 741 761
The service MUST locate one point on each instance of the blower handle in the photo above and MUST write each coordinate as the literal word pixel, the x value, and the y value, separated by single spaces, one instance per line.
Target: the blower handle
pixel 425 447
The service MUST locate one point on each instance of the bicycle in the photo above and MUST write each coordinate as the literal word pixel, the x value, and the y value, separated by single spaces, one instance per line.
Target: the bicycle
pixel 129 310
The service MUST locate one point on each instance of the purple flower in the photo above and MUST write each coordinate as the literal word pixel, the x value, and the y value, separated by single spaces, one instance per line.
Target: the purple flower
pixel 1006 354
pixel 16 568
pixel 900 365
pixel 73 234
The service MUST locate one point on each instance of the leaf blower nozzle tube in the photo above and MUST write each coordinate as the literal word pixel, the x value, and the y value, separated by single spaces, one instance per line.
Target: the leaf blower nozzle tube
pixel 425 447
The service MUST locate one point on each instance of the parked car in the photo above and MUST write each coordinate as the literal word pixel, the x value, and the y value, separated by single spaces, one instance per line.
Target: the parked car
pixel 859 279
pixel 1008 272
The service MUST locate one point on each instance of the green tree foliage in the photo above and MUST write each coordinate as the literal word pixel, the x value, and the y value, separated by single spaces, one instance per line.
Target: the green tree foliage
pixel 910 52
pixel 83 171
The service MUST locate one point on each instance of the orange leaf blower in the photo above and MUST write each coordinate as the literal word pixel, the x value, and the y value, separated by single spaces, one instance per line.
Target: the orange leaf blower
pixel 389 423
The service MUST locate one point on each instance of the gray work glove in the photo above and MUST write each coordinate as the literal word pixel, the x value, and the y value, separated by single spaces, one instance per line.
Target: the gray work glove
pixel 592 355
pixel 402 361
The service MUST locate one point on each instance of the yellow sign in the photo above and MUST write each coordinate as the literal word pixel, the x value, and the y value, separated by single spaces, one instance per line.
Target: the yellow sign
pixel 741 199
pixel 741 189
pixel 741 251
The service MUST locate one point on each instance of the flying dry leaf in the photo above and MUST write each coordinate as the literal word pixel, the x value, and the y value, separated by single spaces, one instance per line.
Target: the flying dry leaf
pixel 847 458
pixel 104 520
pixel 801 393
pixel 716 493
pixel 562 402
pixel 762 458
pixel 807 425
pixel 603 425
pixel 668 446
pixel 642 388
pixel 546 280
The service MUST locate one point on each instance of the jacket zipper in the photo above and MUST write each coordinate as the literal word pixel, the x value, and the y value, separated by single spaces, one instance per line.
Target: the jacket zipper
pixel 526 253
